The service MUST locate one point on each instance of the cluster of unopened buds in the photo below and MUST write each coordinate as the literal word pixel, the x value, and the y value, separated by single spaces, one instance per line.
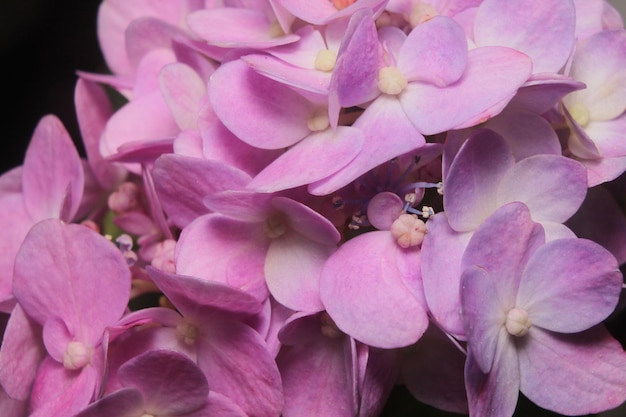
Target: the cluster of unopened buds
pixel 325 199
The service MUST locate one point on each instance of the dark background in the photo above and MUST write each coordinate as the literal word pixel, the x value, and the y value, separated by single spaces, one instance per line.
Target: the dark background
pixel 42 44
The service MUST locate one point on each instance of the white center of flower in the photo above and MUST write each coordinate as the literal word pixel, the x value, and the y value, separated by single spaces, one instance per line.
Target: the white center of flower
pixel 318 121
pixel 580 113
pixel 325 60
pixel 187 332
pixel 391 81
pixel 517 322
pixel 275 226
pixel 422 12
pixel 76 355
pixel 408 230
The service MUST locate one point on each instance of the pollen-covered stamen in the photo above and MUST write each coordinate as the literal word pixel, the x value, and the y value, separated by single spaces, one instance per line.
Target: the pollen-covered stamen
pixel 76 355
pixel 319 120
pixel 391 81
pixel 325 60
pixel 517 322
pixel 187 332
pixel 275 30
pixel 328 326
pixel 275 226
pixel 408 230
pixel 342 4
pixel 580 114
pixel 422 12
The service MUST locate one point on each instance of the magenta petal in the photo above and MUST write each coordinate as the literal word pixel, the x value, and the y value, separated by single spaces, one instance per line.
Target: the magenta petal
pixel 583 373
pixel 363 289
pixel 318 156
pixel 307 221
pixel 473 179
pixel 171 384
pixel 259 111
pixel 543 29
pixel 583 288
pixel 52 179
pixel 383 209
pixel 86 273
pixel 321 12
pixel 434 52
pixel 126 402
pixel 191 295
pixel 219 405
pixel 237 364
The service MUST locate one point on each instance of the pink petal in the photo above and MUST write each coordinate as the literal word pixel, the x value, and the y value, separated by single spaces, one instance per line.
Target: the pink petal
pixel 22 352
pixel 217 248
pixel 193 295
pixel 583 373
pixel 230 27
pixel 553 187
pixel 318 156
pixel 307 222
pixel 363 290
pixel 52 179
pixel 183 90
pixel 93 110
pixel 583 289
pixel 321 12
pixel 442 276
pixel 170 383
pixel 542 29
pixel 183 182
pixel 126 402
pixel 85 271
pixel 237 363
pixel 259 111
pixel 292 268
pixel 491 78
pixel 434 52
pixel 473 179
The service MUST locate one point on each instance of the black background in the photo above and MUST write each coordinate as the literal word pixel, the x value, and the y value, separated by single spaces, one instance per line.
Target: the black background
pixel 42 44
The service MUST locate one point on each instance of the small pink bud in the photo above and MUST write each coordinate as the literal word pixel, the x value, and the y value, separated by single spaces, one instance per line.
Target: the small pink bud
pixel 408 230
pixel 76 356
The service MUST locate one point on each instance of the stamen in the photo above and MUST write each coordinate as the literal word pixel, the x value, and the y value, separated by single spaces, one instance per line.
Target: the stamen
pixel 580 114
pixel 319 120
pixel 76 355
pixel 125 243
pixel 325 60
pixel 517 322
pixel 422 12
pixel 276 31
pixel 187 332
pixel 274 226
pixel 391 81
pixel 408 230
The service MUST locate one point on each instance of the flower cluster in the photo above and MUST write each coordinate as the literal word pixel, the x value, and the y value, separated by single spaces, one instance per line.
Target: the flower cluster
pixel 328 198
